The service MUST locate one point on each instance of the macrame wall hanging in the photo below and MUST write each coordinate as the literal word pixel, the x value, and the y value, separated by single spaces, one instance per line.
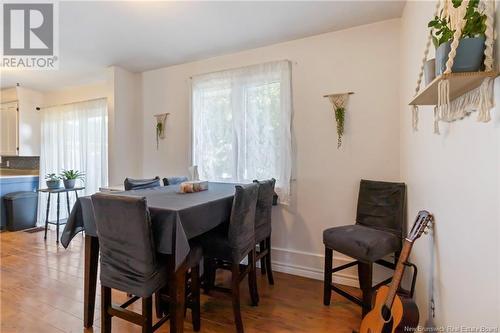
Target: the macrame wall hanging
pixel 479 96
pixel 339 103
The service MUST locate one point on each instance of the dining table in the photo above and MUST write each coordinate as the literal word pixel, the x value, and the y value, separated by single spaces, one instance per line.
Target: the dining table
pixel 175 219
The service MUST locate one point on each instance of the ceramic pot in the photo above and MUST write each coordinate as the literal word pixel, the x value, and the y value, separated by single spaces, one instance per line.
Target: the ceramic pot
pixel 469 57
pixel 53 184
pixel 429 71
pixel 69 183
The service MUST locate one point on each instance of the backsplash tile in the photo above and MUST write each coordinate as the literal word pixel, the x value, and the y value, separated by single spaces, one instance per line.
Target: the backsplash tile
pixel 20 162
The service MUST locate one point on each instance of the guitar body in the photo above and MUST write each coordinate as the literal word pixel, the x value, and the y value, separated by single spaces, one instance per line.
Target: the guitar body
pixel 404 313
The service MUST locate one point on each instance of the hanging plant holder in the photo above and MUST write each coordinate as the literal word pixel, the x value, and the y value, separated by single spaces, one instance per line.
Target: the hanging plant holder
pixel 455 95
pixel 339 103
pixel 160 127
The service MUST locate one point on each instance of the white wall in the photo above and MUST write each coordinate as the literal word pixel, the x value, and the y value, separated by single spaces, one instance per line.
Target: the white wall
pixel 29 121
pixel 455 175
pixel 125 124
pixel 364 60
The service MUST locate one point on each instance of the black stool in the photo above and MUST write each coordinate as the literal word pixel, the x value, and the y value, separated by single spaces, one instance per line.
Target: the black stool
pixel 378 232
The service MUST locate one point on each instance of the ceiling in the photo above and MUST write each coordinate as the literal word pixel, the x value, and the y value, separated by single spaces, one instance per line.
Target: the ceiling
pixel 139 35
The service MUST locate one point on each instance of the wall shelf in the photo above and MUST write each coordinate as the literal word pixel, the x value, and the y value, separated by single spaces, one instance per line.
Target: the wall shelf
pixel 460 83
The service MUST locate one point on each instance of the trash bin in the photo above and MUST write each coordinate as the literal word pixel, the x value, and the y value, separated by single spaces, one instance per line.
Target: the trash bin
pixel 21 209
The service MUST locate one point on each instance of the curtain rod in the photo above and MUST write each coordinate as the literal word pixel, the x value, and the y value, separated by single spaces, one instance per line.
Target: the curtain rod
pixel 38 108
pixel 234 68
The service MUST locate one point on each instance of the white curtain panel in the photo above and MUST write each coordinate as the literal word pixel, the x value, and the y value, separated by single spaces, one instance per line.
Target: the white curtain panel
pixel 74 136
pixel 241 122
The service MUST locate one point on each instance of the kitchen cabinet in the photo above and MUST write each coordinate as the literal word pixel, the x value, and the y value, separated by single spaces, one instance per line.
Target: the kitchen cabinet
pixel 9 125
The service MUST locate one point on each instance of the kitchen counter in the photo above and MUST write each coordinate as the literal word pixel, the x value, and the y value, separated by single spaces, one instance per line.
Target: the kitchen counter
pixel 15 173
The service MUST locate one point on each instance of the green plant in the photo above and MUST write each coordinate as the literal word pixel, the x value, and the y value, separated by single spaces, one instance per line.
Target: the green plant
pixel 159 130
pixel 72 174
pixel 52 176
pixel 340 118
pixel 475 24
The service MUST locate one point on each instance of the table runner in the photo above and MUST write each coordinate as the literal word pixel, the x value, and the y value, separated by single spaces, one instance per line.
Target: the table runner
pixel 176 217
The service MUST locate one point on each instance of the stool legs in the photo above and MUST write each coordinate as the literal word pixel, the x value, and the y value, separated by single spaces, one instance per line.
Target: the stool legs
pixel 105 305
pixel 365 275
pixel 327 284
pixel 269 268
pixel 47 216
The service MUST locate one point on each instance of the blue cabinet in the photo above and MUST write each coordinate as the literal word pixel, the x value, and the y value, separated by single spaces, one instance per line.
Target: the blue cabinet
pixel 14 184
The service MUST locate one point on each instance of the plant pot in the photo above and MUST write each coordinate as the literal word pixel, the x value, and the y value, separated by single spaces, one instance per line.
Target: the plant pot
pixel 53 184
pixel 429 71
pixel 69 183
pixel 469 57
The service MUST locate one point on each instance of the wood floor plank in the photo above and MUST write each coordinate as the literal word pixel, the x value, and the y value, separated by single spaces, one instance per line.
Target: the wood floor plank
pixel 41 290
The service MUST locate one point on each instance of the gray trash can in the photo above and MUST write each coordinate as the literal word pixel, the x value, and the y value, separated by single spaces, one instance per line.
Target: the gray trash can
pixel 21 209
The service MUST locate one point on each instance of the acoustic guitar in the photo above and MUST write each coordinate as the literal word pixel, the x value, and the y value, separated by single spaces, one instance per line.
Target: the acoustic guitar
pixel 392 313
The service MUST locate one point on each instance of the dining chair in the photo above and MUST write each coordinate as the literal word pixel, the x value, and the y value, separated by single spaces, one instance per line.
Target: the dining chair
pixel 139 184
pixel 174 180
pixel 129 261
pixel 263 226
pixel 379 231
pixel 227 247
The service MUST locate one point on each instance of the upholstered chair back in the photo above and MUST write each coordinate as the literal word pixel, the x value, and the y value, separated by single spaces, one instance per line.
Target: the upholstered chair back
pixel 138 184
pixel 241 232
pixel 381 205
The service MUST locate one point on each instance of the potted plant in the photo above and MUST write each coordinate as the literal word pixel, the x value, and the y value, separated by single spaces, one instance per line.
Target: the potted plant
pixel 70 176
pixel 470 51
pixel 52 181
pixel 340 118
pixel 159 132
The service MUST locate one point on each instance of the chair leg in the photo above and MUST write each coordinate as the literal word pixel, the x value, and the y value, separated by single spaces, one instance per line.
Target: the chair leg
pixel 105 305
pixel 209 269
pixel 269 268
pixel 235 291
pixel 327 283
pixel 159 306
pixel 252 279
pixel 365 272
pixel 195 295
pixel 262 246
pixel 147 313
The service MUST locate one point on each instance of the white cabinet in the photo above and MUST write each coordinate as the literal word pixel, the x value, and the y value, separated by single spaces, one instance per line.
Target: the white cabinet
pixel 9 137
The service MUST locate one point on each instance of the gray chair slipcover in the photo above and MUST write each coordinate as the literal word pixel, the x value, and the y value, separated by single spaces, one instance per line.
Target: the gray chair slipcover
pixel 174 180
pixel 380 223
pixel 129 261
pixel 236 241
pixel 138 184
pixel 264 209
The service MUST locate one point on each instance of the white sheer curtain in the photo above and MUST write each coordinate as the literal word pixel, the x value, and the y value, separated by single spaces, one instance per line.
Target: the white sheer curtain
pixel 74 136
pixel 241 125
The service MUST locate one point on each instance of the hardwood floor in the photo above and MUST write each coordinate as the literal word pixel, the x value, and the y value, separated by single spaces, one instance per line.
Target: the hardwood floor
pixel 41 290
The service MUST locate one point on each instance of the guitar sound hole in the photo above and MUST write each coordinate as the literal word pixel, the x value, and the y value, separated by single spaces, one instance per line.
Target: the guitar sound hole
pixel 386 313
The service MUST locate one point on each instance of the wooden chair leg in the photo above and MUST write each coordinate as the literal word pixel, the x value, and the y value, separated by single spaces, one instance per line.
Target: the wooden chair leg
pixel 262 246
pixel 327 283
pixel 252 279
pixel 365 275
pixel 195 295
pixel 159 306
pixel 209 269
pixel 235 291
pixel 105 305
pixel 269 268
pixel 147 313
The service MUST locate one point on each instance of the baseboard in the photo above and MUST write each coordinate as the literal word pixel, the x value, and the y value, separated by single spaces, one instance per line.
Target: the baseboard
pixel 310 265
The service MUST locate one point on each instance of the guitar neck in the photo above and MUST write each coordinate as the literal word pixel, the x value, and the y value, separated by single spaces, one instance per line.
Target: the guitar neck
pixel 398 273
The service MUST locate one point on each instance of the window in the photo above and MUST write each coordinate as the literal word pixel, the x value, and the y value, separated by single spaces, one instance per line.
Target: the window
pixel 74 136
pixel 241 125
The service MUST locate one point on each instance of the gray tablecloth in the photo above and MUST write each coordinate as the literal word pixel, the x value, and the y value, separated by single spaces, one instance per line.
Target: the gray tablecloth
pixel 176 217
